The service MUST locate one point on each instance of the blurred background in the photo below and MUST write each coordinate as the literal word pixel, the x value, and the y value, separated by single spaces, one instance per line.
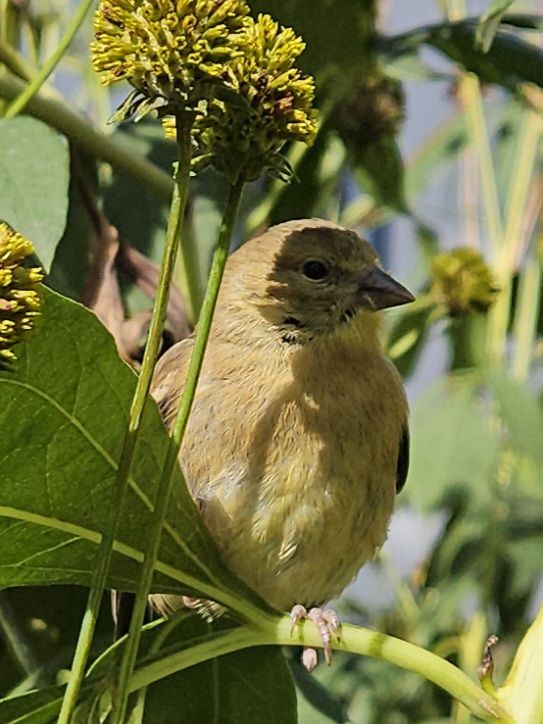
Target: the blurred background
pixel 430 145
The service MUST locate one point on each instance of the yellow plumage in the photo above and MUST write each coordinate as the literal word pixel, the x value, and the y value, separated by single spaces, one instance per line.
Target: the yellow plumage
pixel 292 446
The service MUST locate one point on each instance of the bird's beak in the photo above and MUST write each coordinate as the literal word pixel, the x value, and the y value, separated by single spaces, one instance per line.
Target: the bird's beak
pixel 378 290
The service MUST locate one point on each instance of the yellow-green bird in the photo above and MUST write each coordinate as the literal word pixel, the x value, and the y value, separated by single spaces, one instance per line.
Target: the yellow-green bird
pixel 298 438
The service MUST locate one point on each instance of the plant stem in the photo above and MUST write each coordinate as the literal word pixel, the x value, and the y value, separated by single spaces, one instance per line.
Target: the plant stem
pixel 175 221
pixel 47 107
pixel 15 636
pixel 14 61
pixel 353 640
pixel 526 313
pixel 163 496
pixel 515 232
pixel 471 95
pixel 19 103
pixel 522 692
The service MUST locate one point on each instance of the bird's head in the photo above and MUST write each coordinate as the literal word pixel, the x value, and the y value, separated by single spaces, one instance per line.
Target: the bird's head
pixel 310 277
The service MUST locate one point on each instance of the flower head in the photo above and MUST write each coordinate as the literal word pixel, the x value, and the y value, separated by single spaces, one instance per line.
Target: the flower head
pixel 463 282
pixel 244 136
pixel 164 48
pixel 20 298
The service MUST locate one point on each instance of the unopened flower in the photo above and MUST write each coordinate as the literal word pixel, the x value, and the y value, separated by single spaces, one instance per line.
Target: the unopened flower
pixel 165 48
pixel 244 138
pixel 373 111
pixel 462 281
pixel 20 298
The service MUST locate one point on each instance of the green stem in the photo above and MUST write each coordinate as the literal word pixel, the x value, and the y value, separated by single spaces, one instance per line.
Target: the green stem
pixel 14 61
pixel 519 188
pixel 525 325
pixel 177 211
pixel 55 112
pixel 19 103
pixel 515 234
pixel 522 692
pixel 206 316
pixel 353 640
pixel 15 635
pixel 478 131
pixel 161 504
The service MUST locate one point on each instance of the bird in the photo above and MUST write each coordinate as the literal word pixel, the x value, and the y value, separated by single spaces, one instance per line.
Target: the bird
pixel 298 438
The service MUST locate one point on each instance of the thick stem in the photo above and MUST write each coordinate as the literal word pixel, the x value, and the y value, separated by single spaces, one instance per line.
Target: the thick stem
pixel 17 105
pixel 163 495
pixel 353 640
pixel 177 211
pixel 47 107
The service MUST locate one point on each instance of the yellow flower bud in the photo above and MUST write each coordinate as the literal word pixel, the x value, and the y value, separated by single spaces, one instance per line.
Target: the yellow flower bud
pixel 244 138
pixel 462 281
pixel 164 48
pixel 20 297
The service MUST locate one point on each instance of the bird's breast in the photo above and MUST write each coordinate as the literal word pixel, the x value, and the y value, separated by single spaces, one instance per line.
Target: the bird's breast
pixel 295 473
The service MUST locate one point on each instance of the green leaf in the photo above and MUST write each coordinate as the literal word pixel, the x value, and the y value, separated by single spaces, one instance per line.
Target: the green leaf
pixel 409 334
pixel 526 21
pixel 247 686
pixel 70 267
pixel 453 445
pixel 521 414
pixel 209 191
pixel 34 174
pixel 329 53
pixel 490 22
pixel 509 61
pixel 63 412
pixel 139 217
pixel 380 171
pixel 315 696
pixel 36 707
pixel 251 685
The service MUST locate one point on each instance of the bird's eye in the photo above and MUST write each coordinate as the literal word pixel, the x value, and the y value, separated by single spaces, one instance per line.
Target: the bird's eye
pixel 316 270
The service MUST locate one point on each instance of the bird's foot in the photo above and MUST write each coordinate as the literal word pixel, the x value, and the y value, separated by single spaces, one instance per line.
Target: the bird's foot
pixel 327 623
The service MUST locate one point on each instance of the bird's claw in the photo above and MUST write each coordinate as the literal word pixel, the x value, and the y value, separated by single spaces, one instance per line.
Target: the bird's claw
pixel 327 623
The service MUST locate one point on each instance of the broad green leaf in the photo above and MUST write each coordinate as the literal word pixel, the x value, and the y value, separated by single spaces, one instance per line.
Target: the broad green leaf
pixel 490 22
pixel 315 702
pixel 63 412
pixel 452 445
pixel 251 685
pixel 332 51
pixel 521 414
pixel 70 267
pixel 34 173
pixel 140 217
pixel 248 686
pixel 380 172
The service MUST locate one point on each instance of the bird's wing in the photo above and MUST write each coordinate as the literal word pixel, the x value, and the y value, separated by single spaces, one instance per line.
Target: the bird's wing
pixel 403 460
pixel 169 378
